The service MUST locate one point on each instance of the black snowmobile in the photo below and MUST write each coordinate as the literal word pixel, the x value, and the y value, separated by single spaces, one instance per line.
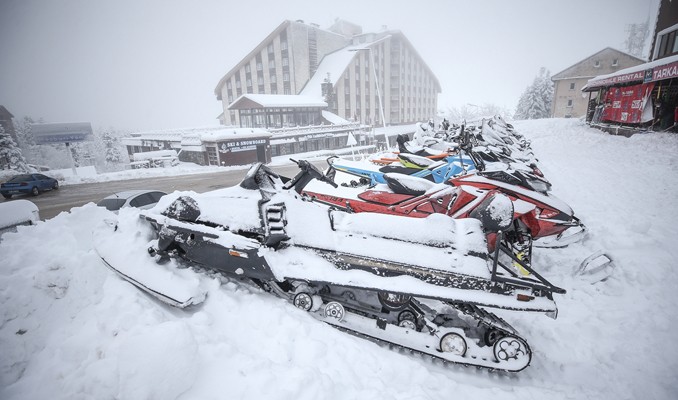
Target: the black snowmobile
pixel 420 284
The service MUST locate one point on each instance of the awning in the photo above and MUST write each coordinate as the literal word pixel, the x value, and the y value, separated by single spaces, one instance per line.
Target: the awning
pixel 658 70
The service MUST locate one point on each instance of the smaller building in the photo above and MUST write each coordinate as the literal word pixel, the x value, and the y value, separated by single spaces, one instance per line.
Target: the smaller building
pixel 568 100
pixel 637 98
pixel 271 111
pixel 223 146
pixel 7 124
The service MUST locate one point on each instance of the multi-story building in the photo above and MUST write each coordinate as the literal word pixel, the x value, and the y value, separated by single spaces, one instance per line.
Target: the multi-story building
pixel 568 99
pixel 664 42
pixel 369 78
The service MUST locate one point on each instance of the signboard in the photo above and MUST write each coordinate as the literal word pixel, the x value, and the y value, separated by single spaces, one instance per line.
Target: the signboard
pixel 667 71
pixel 655 74
pixel 626 104
pixel 240 145
pixel 61 132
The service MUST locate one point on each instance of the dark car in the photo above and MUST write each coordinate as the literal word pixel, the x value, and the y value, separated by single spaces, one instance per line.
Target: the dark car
pixel 28 183
pixel 144 199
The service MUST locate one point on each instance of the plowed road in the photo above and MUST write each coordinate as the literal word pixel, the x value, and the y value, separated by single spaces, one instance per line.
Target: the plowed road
pixel 54 202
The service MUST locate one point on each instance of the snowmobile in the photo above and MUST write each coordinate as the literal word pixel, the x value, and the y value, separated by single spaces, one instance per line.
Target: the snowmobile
pixel 408 164
pixel 538 216
pixel 419 284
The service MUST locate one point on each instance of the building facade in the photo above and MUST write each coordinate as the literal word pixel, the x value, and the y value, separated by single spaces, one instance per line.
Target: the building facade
pixel 664 42
pixel 368 78
pixel 568 99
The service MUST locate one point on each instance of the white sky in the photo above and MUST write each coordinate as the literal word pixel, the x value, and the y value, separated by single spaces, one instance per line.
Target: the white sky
pixel 154 64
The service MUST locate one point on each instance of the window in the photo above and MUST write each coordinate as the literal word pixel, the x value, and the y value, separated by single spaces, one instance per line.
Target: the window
pixel 286 77
pixel 247 68
pixel 283 45
pixel 260 66
pixel 572 86
pixel 237 84
pixel 273 78
pixel 285 61
pixel 569 103
pixel 271 63
pixel 270 47
pixel 597 64
pixel 249 82
pixel 229 85
pixel 615 62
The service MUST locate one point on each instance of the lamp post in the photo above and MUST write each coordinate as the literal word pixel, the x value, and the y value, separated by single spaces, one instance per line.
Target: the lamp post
pixel 376 82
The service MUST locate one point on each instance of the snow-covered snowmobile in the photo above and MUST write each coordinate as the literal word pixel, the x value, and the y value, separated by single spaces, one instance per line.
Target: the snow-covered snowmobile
pixel 419 284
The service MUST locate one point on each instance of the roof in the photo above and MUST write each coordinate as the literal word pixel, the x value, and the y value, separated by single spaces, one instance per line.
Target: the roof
pixel 333 118
pixel 249 100
pixel 5 112
pixel 563 74
pixel 331 67
pixel 638 73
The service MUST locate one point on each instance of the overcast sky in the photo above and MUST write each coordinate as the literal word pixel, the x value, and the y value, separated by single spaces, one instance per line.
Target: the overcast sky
pixel 154 64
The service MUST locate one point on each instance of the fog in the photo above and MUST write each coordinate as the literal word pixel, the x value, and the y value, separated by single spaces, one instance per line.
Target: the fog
pixel 154 64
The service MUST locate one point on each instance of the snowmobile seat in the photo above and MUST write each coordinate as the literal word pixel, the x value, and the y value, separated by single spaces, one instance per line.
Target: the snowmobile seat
pixel 407 184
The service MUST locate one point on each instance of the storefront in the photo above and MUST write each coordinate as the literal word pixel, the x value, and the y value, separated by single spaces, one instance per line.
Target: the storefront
pixel 637 98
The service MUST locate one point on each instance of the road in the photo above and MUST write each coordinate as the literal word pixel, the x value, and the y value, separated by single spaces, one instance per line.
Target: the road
pixel 54 202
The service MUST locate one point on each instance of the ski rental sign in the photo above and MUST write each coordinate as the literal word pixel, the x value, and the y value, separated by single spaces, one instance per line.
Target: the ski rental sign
pixel 61 132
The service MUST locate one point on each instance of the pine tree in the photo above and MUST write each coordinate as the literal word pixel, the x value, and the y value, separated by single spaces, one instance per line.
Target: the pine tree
pixel 113 155
pixel 10 154
pixel 536 101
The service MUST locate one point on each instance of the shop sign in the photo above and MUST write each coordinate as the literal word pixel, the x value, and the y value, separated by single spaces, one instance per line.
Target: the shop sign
pixel 667 71
pixel 241 145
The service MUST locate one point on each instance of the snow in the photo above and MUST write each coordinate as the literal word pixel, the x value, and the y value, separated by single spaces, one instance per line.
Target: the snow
pixel 72 329
pixel 18 212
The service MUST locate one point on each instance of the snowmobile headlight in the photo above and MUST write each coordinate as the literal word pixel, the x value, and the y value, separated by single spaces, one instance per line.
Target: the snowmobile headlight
pixel 539 185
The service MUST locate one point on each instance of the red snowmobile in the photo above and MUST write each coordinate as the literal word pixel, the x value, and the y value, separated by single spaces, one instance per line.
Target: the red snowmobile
pixel 540 217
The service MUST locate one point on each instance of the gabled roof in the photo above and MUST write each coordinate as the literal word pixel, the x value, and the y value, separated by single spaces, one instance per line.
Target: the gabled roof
pixel 5 112
pixel 249 100
pixel 567 72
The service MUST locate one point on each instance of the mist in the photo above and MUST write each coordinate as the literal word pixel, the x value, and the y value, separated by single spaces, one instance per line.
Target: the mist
pixel 143 65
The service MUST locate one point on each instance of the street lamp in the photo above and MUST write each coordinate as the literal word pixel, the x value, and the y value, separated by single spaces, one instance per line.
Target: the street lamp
pixel 376 81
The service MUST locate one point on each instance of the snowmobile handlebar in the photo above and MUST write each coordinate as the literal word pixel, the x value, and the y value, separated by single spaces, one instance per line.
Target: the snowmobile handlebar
pixel 307 173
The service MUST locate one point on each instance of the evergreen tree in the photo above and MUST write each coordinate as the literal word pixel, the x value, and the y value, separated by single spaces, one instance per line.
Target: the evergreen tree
pixel 637 37
pixel 113 155
pixel 537 99
pixel 10 154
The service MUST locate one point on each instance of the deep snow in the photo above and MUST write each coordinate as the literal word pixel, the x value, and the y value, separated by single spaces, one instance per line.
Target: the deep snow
pixel 71 329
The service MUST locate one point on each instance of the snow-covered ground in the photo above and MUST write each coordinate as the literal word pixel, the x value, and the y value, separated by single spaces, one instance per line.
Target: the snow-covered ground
pixel 71 329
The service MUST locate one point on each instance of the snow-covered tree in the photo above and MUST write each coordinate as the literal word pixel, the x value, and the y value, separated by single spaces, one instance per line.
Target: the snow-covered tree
pixel 536 101
pixel 637 38
pixel 111 147
pixel 471 112
pixel 10 154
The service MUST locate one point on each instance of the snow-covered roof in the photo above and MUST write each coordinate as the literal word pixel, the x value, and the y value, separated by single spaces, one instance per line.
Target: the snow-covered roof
pixel 333 118
pixel 247 101
pixel 195 136
pixel 331 67
pixel 633 74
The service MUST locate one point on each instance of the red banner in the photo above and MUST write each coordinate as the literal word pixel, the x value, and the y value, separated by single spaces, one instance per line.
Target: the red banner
pixel 626 104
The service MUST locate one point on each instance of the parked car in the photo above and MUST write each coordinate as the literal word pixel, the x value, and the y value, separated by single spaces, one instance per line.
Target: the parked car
pixel 17 212
pixel 28 183
pixel 131 198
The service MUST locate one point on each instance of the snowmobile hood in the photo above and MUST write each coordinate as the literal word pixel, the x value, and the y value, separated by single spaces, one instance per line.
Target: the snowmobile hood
pixel 549 200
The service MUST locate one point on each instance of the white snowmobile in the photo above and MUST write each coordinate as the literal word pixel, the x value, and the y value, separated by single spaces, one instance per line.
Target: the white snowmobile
pixel 419 284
